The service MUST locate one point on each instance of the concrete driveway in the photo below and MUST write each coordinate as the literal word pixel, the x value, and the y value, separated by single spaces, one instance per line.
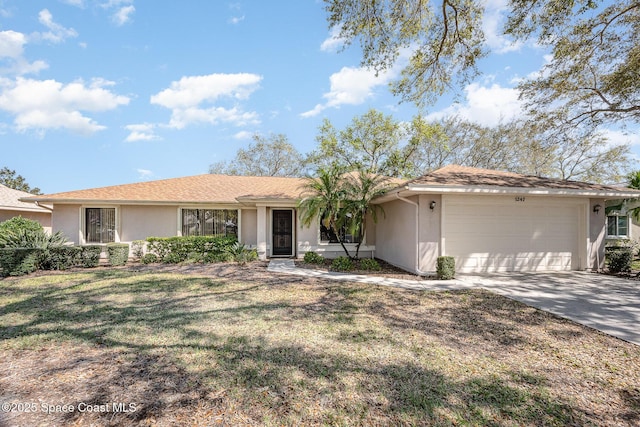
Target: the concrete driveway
pixel 606 303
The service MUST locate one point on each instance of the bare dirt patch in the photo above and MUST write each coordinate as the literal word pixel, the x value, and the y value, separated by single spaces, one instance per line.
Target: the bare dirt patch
pixel 225 345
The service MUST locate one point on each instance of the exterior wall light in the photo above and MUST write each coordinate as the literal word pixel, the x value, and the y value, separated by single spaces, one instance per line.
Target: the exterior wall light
pixel 596 209
pixel 432 205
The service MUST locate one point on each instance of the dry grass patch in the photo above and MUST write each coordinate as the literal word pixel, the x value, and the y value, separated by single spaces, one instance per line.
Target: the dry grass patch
pixel 240 346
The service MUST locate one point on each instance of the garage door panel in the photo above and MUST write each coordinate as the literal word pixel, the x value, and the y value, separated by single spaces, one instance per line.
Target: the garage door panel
pixel 503 236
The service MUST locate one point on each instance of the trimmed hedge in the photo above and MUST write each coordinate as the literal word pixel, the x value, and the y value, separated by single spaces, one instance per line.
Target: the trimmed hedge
pixel 181 248
pixel 60 258
pixel 19 261
pixel 117 253
pixel 446 267
pixel 619 260
pixel 90 256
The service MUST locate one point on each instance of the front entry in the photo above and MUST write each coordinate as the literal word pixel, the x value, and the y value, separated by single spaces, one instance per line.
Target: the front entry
pixel 282 239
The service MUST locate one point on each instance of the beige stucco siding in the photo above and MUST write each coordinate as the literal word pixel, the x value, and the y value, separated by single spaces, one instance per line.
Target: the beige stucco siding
pixel 66 218
pixel 249 227
pixel 43 218
pixel 140 222
pixel 396 234
pixel 597 235
pixel 429 234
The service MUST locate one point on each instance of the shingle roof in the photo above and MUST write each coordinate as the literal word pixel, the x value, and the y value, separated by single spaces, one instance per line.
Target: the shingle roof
pixel 454 175
pixel 9 200
pixel 207 188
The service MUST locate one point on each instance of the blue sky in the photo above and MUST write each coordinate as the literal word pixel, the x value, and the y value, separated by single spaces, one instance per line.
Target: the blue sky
pixel 104 92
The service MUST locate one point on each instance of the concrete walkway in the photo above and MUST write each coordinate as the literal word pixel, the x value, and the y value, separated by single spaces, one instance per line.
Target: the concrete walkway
pixel 608 304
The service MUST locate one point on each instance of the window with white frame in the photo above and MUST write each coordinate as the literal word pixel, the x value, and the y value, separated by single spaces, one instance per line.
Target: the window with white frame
pixel 327 235
pixel 210 222
pixel 99 225
pixel 618 226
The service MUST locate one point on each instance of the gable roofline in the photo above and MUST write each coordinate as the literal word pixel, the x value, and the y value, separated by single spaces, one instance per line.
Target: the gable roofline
pixel 454 179
pixel 12 200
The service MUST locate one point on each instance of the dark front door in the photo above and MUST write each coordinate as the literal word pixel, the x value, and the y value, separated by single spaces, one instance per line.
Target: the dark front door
pixel 282 233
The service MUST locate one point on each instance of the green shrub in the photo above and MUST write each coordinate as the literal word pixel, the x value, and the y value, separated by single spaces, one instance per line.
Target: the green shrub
pixel 342 263
pixel 313 258
pixel 90 256
pixel 211 257
pixel 370 264
pixel 186 246
pixel 19 261
pixel 619 260
pixel 137 249
pixel 16 224
pixel 149 259
pixel 117 253
pixel 60 258
pixel 247 255
pixel 173 258
pixel 446 267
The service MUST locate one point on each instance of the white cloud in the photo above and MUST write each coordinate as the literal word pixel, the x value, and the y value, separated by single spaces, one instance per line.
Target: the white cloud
pixel 486 105
pixel 183 117
pixel 188 99
pixel 11 51
pixel 145 174
pixel 243 135
pixel 57 33
pixel 492 24
pixel 123 15
pixel 618 137
pixel 236 19
pixel 350 86
pixel 12 44
pixel 77 3
pixel 141 132
pixel 333 42
pixel 41 105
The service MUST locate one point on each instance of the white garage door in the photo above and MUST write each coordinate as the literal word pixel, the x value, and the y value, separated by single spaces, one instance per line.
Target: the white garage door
pixel 512 234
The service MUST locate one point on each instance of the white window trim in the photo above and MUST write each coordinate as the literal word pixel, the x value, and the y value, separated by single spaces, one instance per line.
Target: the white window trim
pixel 619 236
pixel 83 218
pixel 321 242
pixel 218 207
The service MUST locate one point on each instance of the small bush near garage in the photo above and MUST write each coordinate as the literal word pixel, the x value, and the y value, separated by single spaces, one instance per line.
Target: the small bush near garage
pixel 342 263
pixel 369 264
pixel 446 267
pixel 313 258
pixel 19 261
pixel 90 256
pixel 619 260
pixel 117 253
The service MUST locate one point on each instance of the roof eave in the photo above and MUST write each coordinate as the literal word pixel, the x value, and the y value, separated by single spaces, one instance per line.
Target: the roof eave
pixel 131 202
pixel 489 190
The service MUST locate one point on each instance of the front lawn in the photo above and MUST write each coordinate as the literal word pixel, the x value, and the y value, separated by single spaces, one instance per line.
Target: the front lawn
pixel 246 347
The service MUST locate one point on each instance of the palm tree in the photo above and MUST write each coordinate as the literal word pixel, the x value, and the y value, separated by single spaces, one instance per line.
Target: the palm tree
pixel 360 189
pixel 342 201
pixel 324 198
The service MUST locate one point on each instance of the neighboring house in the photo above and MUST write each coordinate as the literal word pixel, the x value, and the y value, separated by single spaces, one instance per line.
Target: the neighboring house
pixel 488 220
pixel 621 225
pixel 11 206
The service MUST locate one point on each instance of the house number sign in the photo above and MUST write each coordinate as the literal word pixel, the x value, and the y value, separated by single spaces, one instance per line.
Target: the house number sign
pixel 519 198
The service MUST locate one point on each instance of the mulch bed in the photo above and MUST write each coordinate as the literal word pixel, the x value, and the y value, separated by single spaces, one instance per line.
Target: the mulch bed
pixel 386 270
